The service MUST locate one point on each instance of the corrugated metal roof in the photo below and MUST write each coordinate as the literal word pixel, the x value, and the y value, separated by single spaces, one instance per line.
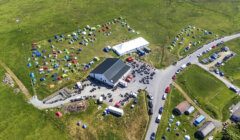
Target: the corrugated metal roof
pixel 206 129
pixel 112 68
pixel 237 113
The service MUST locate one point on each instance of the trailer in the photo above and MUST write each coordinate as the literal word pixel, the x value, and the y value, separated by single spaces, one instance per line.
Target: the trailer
pixel 115 111
pixel 199 120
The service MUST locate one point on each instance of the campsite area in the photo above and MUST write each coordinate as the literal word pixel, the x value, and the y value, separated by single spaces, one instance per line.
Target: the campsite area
pixel 67 58
pixel 210 93
pixel 185 128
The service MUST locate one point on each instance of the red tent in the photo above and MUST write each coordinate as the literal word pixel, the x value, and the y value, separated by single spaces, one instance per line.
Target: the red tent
pixel 168 89
pixel 58 114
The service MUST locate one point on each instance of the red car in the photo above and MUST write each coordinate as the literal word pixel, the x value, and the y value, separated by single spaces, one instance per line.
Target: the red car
pixel 213 46
pixel 118 104
pixel 168 89
pixel 129 59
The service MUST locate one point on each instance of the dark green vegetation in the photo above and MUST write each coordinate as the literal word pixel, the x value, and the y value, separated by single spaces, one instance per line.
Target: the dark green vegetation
pixel 231 133
pixel 232 67
pixel 157 21
pixel 20 120
pixel 131 126
pixel 212 95
pixel 186 121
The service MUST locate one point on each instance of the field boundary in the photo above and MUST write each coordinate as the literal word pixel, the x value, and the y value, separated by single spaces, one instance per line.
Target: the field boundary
pixel 185 95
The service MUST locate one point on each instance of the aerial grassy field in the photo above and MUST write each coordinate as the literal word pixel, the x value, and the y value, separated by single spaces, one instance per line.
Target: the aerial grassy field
pixel 186 121
pixel 232 67
pixel 211 94
pixel 131 126
pixel 24 22
pixel 20 120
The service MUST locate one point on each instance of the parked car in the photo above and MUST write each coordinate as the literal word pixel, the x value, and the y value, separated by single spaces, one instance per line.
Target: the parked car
pixel 153 136
pixel 221 74
pixel 160 110
pixel 164 96
pixel 150 111
pixel 158 118
pixel 150 104
pixel 150 97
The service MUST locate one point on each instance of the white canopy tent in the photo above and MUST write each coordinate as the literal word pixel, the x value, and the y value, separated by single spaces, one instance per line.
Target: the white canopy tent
pixel 130 46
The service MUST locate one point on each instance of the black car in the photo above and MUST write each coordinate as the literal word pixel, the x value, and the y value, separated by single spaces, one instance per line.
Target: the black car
pixel 150 111
pixel 150 104
pixel 160 110
pixel 153 136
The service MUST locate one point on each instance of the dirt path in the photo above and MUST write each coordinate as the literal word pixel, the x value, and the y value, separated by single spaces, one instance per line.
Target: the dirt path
pixel 18 82
pixel 185 95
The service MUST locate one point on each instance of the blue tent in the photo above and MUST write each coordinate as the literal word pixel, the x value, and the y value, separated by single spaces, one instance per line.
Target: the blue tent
pixel 29 64
pixel 55 66
pixel 106 49
pixel 56 37
pixel 36 53
pixel 84 126
pixel 32 75
pixel 42 79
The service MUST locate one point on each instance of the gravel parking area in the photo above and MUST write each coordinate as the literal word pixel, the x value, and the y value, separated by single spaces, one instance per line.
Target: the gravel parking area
pixel 142 75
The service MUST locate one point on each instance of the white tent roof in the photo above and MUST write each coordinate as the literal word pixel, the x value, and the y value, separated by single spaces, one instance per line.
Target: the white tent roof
pixel 128 46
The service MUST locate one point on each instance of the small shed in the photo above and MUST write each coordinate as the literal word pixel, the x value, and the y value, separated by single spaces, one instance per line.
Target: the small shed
pixel 190 110
pixel 207 128
pixel 181 108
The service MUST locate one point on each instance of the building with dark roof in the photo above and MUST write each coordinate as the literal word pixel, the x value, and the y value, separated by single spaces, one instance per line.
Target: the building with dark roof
pixel 110 71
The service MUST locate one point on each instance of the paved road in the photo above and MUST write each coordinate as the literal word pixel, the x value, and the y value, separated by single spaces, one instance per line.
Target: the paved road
pixel 165 79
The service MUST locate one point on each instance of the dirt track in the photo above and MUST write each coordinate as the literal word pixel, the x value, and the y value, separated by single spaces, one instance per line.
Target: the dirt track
pixel 185 95
pixel 18 82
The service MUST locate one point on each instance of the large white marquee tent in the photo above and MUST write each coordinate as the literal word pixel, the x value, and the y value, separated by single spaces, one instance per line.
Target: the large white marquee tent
pixel 130 46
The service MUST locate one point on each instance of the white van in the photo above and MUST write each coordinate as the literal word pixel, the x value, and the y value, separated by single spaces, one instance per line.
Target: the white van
pixel 164 96
pixel 158 118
